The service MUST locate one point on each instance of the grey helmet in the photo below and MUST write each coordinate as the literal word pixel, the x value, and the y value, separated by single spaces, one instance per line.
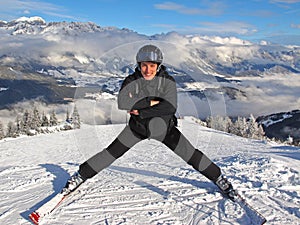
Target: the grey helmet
pixel 149 53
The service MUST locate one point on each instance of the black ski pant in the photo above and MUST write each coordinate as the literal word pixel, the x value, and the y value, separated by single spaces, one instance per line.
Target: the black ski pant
pixel 173 139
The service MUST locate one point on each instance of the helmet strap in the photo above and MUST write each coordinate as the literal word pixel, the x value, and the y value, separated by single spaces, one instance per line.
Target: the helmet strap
pixel 158 67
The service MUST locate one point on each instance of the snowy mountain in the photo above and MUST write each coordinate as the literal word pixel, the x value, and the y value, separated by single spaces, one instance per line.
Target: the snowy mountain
pixel 149 184
pixel 57 62
pixel 283 126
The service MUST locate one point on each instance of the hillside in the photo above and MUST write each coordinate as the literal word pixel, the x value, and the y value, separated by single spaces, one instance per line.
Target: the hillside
pixel 149 184
pixel 282 126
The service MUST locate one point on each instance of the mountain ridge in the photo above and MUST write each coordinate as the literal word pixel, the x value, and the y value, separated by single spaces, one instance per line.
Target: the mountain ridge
pixel 215 75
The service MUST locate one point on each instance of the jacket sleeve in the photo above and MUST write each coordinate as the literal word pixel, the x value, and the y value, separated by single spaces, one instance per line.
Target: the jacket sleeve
pixel 127 98
pixel 167 102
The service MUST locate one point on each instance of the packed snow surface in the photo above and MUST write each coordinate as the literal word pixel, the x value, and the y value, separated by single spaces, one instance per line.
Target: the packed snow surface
pixel 149 184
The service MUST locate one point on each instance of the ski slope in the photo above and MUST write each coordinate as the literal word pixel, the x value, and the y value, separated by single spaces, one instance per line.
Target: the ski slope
pixel 149 184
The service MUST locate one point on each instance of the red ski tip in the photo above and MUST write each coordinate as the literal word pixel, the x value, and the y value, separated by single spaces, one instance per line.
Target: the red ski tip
pixel 34 217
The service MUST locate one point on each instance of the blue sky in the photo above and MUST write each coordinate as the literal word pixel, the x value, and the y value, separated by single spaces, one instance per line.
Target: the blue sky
pixel 277 20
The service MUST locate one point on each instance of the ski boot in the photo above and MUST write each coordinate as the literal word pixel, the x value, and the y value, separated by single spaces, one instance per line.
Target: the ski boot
pixel 226 187
pixel 72 184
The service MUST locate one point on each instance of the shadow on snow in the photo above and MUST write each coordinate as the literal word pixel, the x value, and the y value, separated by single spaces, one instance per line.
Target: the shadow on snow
pixel 61 175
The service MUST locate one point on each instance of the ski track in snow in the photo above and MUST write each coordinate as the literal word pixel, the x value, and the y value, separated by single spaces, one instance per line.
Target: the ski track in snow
pixel 149 184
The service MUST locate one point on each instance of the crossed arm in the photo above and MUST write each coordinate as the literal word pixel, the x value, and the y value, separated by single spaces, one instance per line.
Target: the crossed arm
pixel 148 106
pixel 136 111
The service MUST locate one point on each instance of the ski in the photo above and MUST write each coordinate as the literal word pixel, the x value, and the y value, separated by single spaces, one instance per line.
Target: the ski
pixel 47 208
pixel 255 217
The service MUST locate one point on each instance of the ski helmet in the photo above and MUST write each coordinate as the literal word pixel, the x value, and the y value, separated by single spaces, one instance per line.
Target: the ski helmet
pixel 149 53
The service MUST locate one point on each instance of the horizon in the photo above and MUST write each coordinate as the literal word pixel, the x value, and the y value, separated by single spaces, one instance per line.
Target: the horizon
pixel 274 21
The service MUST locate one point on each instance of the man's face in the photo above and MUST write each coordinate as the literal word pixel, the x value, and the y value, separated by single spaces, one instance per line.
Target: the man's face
pixel 148 70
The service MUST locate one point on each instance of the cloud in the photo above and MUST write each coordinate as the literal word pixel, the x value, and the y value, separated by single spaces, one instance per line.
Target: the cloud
pixel 284 39
pixel 26 12
pixel 9 9
pixel 263 13
pixel 295 25
pixel 227 28
pixel 165 26
pixel 213 9
pixel 210 28
pixel 10 5
pixel 285 1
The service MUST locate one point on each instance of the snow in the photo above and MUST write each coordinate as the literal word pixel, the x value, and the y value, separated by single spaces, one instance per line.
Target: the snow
pixel 82 59
pixel 149 184
pixel 3 89
pixel 270 122
pixel 30 19
pixel 227 40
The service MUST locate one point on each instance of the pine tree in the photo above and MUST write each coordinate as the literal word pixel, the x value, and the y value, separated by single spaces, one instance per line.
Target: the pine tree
pixel 11 130
pixel 68 124
pixel 53 120
pixel 254 130
pixel 76 119
pixel 68 119
pixel 240 127
pixel 18 124
pixel 36 121
pixel 290 140
pixel 45 121
pixel 261 132
pixel 26 123
pixel 227 124
pixel 209 121
pixel 219 123
pixel 2 135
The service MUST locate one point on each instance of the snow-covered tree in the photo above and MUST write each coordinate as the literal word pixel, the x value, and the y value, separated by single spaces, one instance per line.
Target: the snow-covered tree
pixel 290 140
pixel 68 119
pixel 18 123
pixel 261 132
pixel 209 121
pixel 45 120
pixel 26 123
pixel 2 134
pixel 254 130
pixel 219 123
pixel 240 127
pixel 36 121
pixel 76 118
pixel 11 130
pixel 227 123
pixel 53 119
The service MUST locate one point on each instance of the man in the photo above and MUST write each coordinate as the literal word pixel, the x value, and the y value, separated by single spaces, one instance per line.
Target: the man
pixel 150 96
